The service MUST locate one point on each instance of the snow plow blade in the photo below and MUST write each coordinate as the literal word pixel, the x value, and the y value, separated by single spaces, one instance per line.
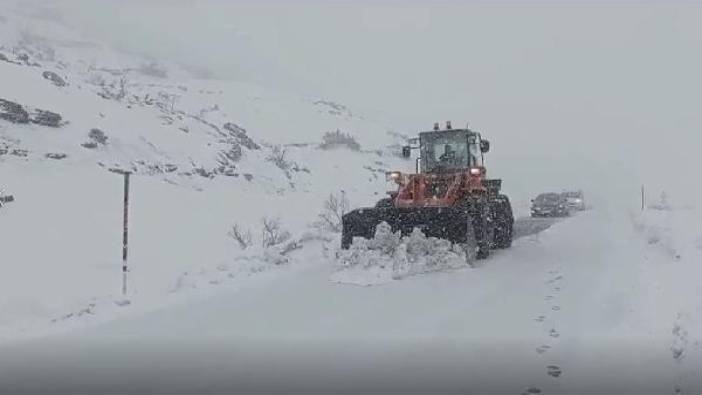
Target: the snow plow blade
pixel 442 222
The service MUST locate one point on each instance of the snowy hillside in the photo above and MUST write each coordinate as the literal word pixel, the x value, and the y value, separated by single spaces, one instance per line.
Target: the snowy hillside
pixel 207 155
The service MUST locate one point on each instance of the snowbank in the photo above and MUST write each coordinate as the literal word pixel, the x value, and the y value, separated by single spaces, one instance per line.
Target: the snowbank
pixel 671 241
pixel 676 232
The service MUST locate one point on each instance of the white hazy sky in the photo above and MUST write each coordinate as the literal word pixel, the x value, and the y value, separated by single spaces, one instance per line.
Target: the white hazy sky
pixel 615 86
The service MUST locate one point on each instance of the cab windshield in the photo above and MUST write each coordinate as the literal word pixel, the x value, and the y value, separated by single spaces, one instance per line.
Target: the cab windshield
pixel 449 151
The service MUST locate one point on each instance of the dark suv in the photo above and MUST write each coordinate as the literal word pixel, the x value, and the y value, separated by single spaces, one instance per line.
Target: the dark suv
pixel 550 205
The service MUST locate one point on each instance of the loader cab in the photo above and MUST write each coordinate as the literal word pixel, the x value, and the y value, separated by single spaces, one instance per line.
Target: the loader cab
pixel 451 150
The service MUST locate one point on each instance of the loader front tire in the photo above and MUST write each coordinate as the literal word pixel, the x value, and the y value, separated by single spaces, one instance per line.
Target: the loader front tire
pixel 504 222
pixel 479 226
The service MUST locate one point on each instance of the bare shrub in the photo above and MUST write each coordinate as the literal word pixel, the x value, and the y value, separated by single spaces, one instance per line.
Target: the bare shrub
pixel 273 233
pixel 98 136
pixel 115 90
pixel 241 236
pixel 339 139
pixel 167 101
pixel 277 156
pixel 54 78
pixel 122 91
pixel 334 208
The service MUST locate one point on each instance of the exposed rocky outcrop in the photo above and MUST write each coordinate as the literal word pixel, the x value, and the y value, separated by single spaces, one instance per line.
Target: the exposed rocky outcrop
pixel 56 155
pixel 236 138
pixel 202 172
pixel 22 153
pixel 46 118
pixel 239 135
pixel 54 78
pixel 24 59
pixel 227 159
pixel 17 113
pixel 13 112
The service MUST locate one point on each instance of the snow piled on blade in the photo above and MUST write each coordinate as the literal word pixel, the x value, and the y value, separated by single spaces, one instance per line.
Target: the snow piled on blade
pixel 388 256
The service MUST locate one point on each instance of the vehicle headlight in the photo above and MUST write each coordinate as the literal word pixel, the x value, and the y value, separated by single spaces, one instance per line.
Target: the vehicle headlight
pixel 393 176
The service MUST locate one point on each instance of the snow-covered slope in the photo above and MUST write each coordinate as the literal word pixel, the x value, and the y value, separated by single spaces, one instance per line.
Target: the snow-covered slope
pixel 206 155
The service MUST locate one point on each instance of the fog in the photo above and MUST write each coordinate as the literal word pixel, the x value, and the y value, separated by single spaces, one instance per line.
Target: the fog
pixel 575 92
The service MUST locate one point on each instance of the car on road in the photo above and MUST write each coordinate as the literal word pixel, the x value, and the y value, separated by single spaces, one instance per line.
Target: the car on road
pixel 550 204
pixel 575 200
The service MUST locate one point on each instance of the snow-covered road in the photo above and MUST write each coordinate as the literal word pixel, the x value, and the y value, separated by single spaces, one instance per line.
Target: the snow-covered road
pixel 571 309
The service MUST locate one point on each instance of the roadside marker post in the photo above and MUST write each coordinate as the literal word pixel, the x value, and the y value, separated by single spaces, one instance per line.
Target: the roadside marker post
pixel 125 233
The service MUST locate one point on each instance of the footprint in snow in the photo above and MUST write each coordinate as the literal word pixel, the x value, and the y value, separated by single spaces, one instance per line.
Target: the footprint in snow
pixel 556 289
pixel 678 353
pixel 531 390
pixel 548 297
pixel 542 349
pixel 554 334
pixel 553 370
pixel 680 339
pixel 540 318
pixel 556 308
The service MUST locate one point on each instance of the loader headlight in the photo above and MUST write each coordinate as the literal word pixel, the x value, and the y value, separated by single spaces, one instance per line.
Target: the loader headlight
pixel 393 176
pixel 475 171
